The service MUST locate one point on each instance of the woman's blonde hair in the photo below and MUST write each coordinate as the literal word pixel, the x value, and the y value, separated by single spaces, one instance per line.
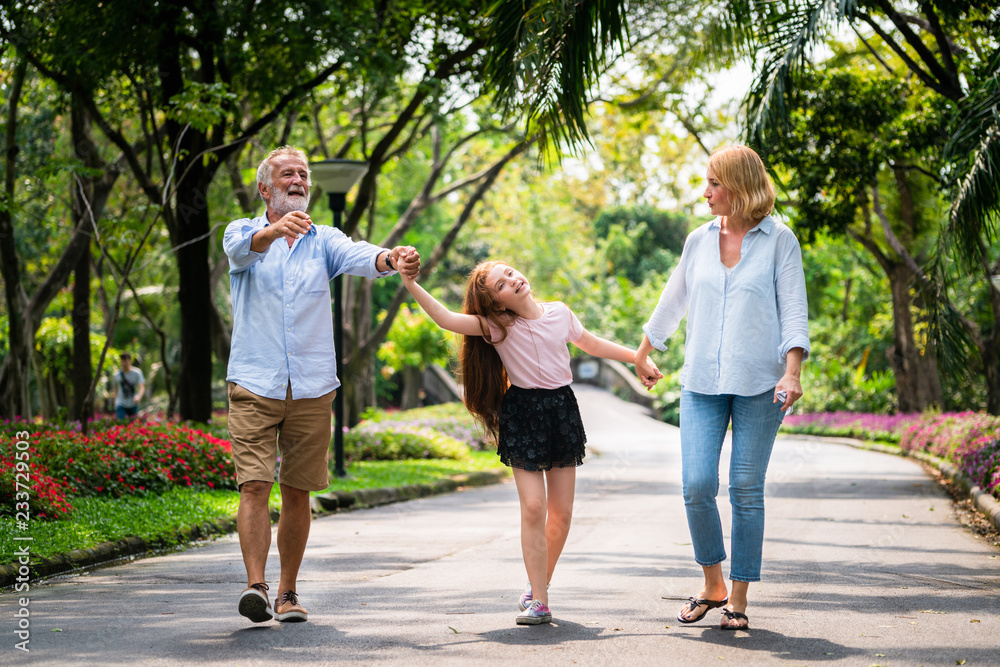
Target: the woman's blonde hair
pixel 480 369
pixel 740 170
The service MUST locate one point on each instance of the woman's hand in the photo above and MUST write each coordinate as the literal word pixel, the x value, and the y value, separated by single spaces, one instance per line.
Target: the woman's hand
pixel 645 369
pixel 790 385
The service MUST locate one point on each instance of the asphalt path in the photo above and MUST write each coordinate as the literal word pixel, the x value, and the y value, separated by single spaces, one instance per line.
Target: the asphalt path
pixel 864 564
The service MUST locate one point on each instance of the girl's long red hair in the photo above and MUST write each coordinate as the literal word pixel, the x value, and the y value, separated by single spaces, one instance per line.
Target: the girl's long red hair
pixel 480 369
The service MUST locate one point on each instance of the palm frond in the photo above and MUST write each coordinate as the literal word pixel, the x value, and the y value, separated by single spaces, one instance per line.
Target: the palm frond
pixel 544 58
pixel 974 151
pixel 782 46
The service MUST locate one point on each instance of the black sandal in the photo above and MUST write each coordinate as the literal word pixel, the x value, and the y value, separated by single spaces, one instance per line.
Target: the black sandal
pixel 694 603
pixel 733 615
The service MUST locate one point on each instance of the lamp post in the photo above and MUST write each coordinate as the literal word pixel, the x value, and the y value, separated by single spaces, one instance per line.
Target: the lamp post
pixel 336 178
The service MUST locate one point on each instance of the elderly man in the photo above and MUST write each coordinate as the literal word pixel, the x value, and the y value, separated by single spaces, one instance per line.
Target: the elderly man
pixel 282 368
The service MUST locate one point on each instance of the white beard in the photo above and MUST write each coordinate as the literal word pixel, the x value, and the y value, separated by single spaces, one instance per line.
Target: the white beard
pixel 282 205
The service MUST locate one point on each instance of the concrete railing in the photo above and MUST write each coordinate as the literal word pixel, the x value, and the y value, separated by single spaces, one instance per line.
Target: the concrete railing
pixel 612 375
pixel 440 386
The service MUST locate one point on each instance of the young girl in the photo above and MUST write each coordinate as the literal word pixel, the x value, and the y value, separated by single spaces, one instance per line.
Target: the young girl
pixel 515 368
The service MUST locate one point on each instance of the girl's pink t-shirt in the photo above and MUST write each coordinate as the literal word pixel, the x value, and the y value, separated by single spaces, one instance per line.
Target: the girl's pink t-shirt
pixel 534 353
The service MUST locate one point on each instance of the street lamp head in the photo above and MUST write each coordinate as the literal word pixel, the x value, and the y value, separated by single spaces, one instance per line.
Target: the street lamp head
pixel 337 177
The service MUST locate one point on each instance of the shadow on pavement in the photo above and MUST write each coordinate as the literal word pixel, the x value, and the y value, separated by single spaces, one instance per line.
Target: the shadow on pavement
pixel 810 649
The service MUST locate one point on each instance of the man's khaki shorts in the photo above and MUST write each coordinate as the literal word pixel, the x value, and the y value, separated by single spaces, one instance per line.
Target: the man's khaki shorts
pixel 261 428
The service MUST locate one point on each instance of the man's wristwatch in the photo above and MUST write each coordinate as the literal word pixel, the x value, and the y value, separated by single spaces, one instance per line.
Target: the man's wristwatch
pixel 388 260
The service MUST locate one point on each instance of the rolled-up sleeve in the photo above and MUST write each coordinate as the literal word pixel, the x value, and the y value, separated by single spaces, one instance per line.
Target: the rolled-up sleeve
pixel 670 309
pixel 793 307
pixel 236 243
pixel 356 258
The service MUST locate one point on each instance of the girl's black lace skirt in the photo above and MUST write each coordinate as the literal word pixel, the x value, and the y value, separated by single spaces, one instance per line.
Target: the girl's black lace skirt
pixel 541 429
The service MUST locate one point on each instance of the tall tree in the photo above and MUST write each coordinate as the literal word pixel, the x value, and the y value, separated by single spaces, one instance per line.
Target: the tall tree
pixel 177 70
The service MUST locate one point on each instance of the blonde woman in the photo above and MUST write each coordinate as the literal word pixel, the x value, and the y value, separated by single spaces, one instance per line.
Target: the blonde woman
pixel 740 283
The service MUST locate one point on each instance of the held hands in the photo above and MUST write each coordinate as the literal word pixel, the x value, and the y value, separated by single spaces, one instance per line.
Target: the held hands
pixel 647 371
pixel 406 259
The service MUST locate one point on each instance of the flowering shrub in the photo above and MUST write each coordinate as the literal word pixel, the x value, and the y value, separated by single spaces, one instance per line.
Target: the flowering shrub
pixel 385 441
pixel 860 425
pixel 450 419
pixel 133 457
pixel 45 497
pixel 970 440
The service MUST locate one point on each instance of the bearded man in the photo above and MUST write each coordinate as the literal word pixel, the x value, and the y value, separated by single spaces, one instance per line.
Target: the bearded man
pixel 282 374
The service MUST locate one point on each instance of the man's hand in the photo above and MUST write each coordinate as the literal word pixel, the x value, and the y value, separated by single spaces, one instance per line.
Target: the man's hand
pixel 406 259
pixel 290 226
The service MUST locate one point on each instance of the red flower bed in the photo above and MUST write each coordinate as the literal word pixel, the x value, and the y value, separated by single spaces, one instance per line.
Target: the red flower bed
pixel 120 459
pixel 30 490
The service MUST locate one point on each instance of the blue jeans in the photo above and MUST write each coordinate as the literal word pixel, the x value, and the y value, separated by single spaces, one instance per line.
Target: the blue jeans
pixel 121 411
pixel 704 421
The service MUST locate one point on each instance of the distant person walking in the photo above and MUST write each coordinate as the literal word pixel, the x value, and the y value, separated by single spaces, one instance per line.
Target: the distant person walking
pixel 516 374
pixel 130 385
pixel 282 369
pixel 741 284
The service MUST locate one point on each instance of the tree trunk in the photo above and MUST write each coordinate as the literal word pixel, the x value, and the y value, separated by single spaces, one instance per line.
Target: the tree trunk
pixel 411 388
pixel 918 384
pixel 83 409
pixel 357 369
pixel 14 398
pixel 194 385
pixel 82 196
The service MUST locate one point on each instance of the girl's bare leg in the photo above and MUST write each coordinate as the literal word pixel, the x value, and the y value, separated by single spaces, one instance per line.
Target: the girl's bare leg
pixel 561 484
pixel 531 493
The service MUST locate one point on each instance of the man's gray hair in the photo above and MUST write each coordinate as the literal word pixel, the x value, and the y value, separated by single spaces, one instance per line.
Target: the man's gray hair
pixel 265 172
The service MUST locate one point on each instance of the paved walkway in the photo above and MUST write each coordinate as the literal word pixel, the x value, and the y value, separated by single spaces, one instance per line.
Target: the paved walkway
pixel 864 565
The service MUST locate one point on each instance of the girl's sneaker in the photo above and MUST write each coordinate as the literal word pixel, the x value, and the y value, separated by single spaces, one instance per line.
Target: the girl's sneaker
pixel 525 598
pixel 537 612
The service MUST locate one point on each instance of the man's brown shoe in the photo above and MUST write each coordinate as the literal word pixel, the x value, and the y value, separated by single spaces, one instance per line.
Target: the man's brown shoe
pixel 288 610
pixel 254 604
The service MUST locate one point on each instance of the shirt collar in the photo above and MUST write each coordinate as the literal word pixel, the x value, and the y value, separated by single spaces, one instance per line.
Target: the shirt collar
pixel 766 225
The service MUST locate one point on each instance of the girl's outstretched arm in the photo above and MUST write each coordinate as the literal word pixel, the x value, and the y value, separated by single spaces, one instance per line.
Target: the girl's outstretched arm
pixel 460 323
pixel 602 347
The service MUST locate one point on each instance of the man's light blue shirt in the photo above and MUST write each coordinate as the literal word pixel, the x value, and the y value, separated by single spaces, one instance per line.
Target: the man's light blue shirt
pixel 282 322
pixel 741 322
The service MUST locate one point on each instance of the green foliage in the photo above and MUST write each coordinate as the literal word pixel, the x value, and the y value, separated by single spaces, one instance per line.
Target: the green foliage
pixel 200 104
pixel 388 441
pixel 413 340
pixel 54 345
pixel 450 419
pixel 639 241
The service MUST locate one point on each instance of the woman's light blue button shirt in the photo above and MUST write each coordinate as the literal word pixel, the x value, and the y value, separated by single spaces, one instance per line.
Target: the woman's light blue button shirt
pixel 282 322
pixel 741 322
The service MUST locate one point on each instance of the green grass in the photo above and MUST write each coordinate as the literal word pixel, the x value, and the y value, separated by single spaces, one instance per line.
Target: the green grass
pixel 161 517
pixel 392 474
pixel 96 520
